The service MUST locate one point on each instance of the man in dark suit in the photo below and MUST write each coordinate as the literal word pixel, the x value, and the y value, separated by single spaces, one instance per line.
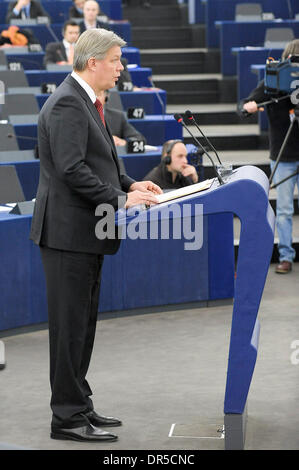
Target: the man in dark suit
pixel 76 10
pixel 63 52
pixel 79 172
pixel 92 16
pixel 23 9
pixel 122 131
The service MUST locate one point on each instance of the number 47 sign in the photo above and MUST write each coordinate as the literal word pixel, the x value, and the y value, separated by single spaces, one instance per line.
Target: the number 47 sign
pixel 135 113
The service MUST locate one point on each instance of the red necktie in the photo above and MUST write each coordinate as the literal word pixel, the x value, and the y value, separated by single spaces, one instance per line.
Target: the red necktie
pixel 99 107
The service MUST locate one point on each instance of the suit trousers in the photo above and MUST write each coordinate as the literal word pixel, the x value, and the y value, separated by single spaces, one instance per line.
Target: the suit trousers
pixel 73 286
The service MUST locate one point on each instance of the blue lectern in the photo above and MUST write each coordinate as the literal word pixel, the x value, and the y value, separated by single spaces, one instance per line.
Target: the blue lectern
pixel 245 194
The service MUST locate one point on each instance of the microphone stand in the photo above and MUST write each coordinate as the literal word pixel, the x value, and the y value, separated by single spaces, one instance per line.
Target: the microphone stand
pixel 295 118
pixel 179 119
pixel 192 119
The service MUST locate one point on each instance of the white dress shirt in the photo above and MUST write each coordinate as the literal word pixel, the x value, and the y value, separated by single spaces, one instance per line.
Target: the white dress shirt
pixel 85 86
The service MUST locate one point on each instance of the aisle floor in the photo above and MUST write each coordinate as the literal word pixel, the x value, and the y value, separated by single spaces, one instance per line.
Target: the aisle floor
pixel 164 375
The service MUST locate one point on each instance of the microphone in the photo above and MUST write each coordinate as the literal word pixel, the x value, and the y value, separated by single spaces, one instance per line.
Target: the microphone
pixel 158 96
pixel 179 119
pixel 191 118
pixel 11 136
pixel 52 32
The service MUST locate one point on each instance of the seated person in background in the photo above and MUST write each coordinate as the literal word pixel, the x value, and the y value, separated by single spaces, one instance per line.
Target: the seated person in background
pixel 23 9
pixel 76 10
pixel 13 36
pixel 62 53
pixel 174 170
pixel 92 17
pixel 121 130
pixel 125 78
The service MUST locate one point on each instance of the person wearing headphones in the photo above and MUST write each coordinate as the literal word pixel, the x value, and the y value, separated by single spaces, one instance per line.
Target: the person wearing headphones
pixel 174 170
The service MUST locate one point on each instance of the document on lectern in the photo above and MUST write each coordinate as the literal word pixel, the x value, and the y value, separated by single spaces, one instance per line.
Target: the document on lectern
pixel 185 191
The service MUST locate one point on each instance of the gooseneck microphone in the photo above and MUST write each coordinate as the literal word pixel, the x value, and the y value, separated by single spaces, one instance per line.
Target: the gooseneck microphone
pixel 191 118
pixel 158 96
pixel 179 119
pixel 11 136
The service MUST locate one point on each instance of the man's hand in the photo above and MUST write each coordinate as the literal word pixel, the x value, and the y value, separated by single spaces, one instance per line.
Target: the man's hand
pixel 21 4
pixel 140 197
pixel 119 142
pixel 146 186
pixel 143 192
pixel 251 107
pixel 189 170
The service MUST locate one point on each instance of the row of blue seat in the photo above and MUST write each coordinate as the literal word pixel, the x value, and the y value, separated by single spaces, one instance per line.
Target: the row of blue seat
pixel 137 166
pixel 53 32
pixel 59 9
pixel 234 34
pixel 34 60
pixel 156 129
pixel 220 10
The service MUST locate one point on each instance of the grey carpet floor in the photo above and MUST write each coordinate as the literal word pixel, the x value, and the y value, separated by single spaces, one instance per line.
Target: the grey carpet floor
pixel 164 375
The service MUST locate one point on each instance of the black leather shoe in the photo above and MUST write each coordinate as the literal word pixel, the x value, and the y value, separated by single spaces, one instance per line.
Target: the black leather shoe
pixel 99 421
pixel 87 433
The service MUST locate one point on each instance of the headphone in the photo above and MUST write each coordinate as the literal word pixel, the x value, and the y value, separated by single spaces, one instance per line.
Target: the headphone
pixel 167 149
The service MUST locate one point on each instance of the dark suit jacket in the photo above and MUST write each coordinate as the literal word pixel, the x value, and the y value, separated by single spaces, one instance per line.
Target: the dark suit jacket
pixel 55 52
pixel 119 125
pixel 74 13
pixel 78 171
pixel 36 10
pixel 279 122
pixel 98 25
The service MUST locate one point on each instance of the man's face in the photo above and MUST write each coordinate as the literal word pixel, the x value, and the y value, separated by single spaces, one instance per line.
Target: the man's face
pixel 178 158
pixel 71 33
pixel 79 4
pixel 90 10
pixel 108 70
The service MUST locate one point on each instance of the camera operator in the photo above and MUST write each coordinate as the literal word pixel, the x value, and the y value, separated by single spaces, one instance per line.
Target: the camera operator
pixel 279 116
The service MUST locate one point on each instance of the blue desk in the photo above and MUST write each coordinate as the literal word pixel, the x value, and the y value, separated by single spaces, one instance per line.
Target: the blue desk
pixel 259 72
pixel 34 60
pixel 132 54
pixel 29 61
pixel 234 34
pixel 207 276
pixel 28 174
pixel 54 32
pixel 137 165
pixel 197 11
pixel 246 57
pixel 145 98
pixel 246 195
pixel 219 10
pixel 37 77
pixel 155 128
pixel 29 131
